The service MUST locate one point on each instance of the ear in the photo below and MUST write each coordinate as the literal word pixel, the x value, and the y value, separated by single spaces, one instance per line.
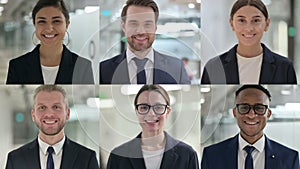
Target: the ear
pixel 68 113
pixel 32 114
pixel 68 23
pixel 267 25
pixel 123 26
pixel 269 113
pixel 231 24
pixel 169 110
pixel 234 112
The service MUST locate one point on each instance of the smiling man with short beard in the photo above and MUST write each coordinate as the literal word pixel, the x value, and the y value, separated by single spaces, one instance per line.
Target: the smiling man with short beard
pixel 50 113
pixel 140 63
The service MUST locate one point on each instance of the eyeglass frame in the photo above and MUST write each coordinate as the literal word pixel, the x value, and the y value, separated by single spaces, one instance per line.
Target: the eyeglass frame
pixel 252 107
pixel 149 107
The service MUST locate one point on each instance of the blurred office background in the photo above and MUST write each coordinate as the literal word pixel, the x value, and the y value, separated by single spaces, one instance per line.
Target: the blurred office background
pixel 218 123
pixel 16 29
pixel 283 36
pixel 17 128
pixel 119 123
pixel 178 31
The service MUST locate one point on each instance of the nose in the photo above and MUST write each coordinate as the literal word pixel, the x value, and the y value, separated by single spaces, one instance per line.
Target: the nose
pixel 49 27
pixel 251 113
pixel 249 26
pixel 140 29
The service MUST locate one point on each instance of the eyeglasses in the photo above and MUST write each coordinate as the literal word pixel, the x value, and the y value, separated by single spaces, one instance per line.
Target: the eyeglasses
pixel 259 109
pixel 158 109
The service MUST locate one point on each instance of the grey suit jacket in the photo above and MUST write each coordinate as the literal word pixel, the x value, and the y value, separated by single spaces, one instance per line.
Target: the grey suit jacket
pixel 177 155
pixel 74 156
pixel 224 155
pixel 167 70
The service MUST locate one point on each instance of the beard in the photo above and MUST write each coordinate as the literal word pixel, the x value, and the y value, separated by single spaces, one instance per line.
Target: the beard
pixel 141 46
pixel 51 131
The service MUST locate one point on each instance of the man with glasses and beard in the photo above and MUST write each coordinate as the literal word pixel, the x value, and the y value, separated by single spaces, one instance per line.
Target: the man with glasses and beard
pixel 250 149
pixel 52 149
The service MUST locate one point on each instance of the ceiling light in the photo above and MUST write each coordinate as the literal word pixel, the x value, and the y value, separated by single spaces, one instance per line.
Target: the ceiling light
pixel 198 1
pixel 191 5
pixel 1 8
pixel 90 9
pixel 3 1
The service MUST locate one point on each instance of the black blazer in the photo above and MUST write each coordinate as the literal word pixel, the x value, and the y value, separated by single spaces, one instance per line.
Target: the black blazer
pixel 73 69
pixel 223 69
pixel 224 155
pixel 167 70
pixel 74 156
pixel 177 155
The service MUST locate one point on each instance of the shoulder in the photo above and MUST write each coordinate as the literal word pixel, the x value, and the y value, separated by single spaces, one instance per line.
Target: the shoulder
pixel 166 57
pixel 281 148
pixel 220 146
pixel 277 58
pixel 78 147
pixel 75 57
pixel 111 60
pixel 28 57
pixel 24 148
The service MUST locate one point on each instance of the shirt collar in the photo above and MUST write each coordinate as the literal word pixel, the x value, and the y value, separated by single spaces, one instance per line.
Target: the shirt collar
pixel 259 144
pixel 57 147
pixel 130 55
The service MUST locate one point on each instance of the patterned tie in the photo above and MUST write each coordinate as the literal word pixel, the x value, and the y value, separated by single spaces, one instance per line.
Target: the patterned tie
pixel 141 74
pixel 50 163
pixel 249 159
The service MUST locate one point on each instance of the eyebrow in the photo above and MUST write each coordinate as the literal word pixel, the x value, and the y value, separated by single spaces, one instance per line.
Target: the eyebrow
pixel 256 16
pixel 54 17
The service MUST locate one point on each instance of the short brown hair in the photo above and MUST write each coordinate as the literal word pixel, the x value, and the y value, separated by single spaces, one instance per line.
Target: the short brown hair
pixel 156 88
pixel 142 3
pixel 51 88
pixel 255 3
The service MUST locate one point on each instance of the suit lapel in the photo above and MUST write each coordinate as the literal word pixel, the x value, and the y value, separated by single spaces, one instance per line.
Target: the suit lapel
pixel 170 156
pixel 120 68
pixel 231 67
pixel 267 68
pixel 35 68
pixel 64 74
pixel 270 156
pixel 231 154
pixel 69 155
pixel 32 155
pixel 135 151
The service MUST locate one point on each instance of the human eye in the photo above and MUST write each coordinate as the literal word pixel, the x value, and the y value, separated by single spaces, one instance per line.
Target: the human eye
pixel 41 107
pixel 159 108
pixel 41 22
pixel 56 107
pixel 259 108
pixel 241 20
pixel 243 108
pixel 57 21
pixel 133 24
pixel 143 107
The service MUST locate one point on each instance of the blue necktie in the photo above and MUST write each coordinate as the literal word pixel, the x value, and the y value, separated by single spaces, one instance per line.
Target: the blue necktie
pixel 249 159
pixel 50 163
pixel 141 74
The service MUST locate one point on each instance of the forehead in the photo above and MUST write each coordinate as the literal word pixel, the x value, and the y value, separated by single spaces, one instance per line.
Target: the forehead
pixel 248 11
pixel 140 13
pixel 53 96
pixel 151 97
pixel 252 95
pixel 49 11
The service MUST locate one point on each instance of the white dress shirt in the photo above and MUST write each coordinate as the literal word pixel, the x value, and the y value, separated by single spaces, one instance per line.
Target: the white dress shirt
pixel 132 68
pixel 258 154
pixel 57 154
pixel 249 69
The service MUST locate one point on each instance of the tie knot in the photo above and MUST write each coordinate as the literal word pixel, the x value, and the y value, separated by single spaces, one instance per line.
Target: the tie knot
pixel 140 63
pixel 249 149
pixel 50 150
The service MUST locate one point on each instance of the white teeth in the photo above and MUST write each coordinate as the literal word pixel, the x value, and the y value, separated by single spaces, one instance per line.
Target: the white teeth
pixel 251 123
pixel 50 121
pixel 140 38
pixel 49 36
pixel 249 36
pixel 151 121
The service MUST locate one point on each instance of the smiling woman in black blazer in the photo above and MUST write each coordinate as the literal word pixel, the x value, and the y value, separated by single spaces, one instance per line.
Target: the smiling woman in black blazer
pixel 250 61
pixel 50 62
pixel 153 148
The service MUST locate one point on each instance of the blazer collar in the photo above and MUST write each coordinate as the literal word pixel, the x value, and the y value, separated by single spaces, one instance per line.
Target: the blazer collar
pixel 169 157
pixel 32 155
pixel 232 148
pixel 120 75
pixel 270 155
pixel 69 156
pixel 267 70
pixel 65 66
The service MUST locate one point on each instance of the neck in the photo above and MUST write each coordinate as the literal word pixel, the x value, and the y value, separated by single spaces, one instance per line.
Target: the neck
pixel 52 139
pixel 249 51
pixel 251 139
pixel 156 142
pixel 51 55
pixel 142 53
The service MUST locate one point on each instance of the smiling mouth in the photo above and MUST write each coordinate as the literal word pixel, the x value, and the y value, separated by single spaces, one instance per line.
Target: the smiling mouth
pixel 151 121
pixel 251 123
pixel 140 38
pixel 49 121
pixel 249 35
pixel 50 36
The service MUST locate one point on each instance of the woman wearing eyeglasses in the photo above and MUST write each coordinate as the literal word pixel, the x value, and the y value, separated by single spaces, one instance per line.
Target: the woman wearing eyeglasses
pixel 153 148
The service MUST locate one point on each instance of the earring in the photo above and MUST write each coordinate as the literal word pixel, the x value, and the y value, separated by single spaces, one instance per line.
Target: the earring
pixel 68 37
pixel 33 38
